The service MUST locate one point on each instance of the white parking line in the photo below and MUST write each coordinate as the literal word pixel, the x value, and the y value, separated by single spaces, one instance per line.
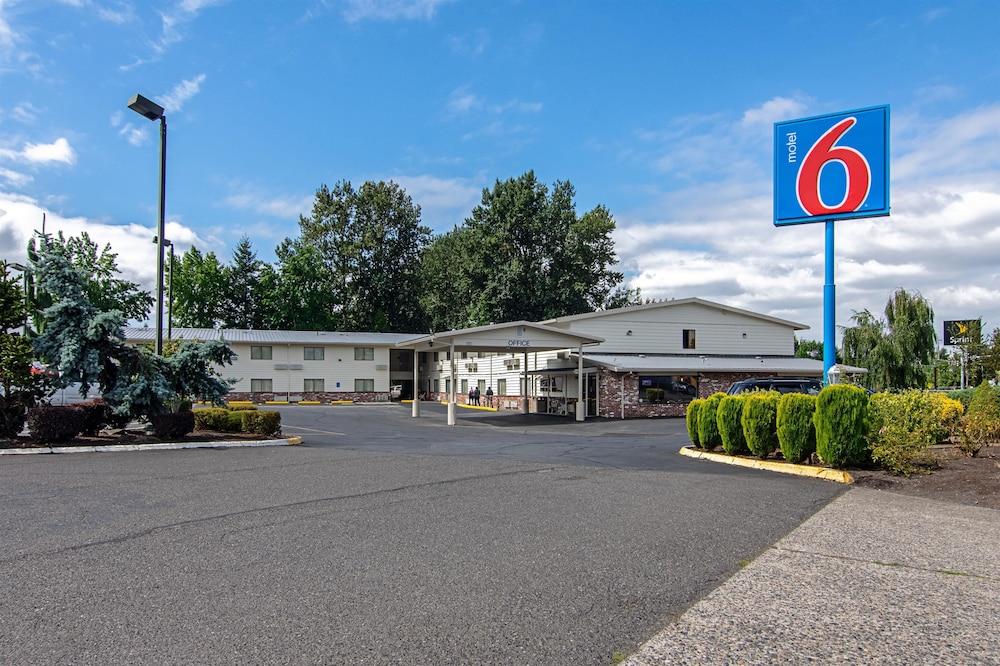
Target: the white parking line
pixel 325 432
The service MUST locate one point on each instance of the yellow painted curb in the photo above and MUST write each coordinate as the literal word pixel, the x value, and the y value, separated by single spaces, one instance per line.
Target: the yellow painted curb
pixel 309 402
pixel 276 402
pixel 406 402
pixel 294 440
pixel 479 407
pixel 341 402
pixel 837 475
pixel 234 402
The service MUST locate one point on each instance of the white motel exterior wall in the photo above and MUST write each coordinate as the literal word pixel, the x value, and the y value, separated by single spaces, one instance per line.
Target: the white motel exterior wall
pixel 649 330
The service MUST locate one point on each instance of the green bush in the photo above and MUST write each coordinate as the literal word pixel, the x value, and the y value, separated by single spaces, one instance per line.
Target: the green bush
pixel 964 396
pixel 234 421
pixel 796 432
pixel 841 421
pixel 213 418
pixel 95 415
pixel 976 431
pixel 172 424
pixel 760 422
pixel 262 423
pixel 729 416
pixel 692 413
pixel 985 401
pixel 51 424
pixel 12 418
pixel 708 425
pixel 242 408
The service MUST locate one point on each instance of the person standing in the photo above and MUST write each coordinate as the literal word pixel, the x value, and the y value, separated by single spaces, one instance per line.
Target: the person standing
pixel 489 396
pixel 475 396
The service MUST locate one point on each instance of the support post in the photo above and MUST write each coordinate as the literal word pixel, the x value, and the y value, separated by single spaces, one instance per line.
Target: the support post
pixel 415 409
pixel 581 403
pixel 160 226
pixel 524 384
pixel 451 392
pixel 829 308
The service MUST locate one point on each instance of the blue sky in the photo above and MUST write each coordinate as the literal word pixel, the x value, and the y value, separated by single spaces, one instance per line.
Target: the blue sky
pixel 661 111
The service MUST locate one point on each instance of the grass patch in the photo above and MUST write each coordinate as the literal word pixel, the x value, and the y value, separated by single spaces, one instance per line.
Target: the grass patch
pixel 617 657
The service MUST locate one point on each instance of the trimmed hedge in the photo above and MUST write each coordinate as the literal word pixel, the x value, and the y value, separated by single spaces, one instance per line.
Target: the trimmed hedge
pixel 54 424
pixel 708 425
pixel 841 422
pixel 242 408
pixel 12 418
pixel 729 416
pixel 759 420
pixel 691 415
pixel 234 421
pixel 262 423
pixel 213 418
pixel 796 432
pixel 172 424
pixel 95 415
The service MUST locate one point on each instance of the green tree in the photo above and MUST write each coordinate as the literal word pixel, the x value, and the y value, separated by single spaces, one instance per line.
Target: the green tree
pixel 524 253
pixel 370 240
pixel 808 348
pixel 244 294
pixel 895 350
pixel 297 294
pixel 199 286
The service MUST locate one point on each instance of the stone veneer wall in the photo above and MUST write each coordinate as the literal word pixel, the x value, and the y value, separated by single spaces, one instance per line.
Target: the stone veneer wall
pixel 326 396
pixel 609 384
pixel 502 402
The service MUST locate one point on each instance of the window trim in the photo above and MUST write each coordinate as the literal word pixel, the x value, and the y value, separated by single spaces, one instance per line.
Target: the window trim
pixel 269 380
pixel 260 356
pixel 685 336
pixel 364 351
pixel 363 389
pixel 322 353
pixel 322 385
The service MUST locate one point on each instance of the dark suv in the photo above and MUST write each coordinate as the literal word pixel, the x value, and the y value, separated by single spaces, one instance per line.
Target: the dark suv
pixel 810 385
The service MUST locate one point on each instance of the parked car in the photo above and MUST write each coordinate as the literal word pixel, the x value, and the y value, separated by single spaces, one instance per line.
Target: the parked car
pixel 810 385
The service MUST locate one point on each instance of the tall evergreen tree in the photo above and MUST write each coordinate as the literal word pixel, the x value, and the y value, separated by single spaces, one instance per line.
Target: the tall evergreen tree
pixel 297 293
pixel 244 296
pixel 199 290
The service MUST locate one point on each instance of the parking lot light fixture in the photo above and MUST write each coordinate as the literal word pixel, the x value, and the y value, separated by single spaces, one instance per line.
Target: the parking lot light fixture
pixel 152 111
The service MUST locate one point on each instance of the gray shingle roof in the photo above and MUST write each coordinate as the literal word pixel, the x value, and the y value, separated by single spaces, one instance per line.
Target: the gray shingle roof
pixel 137 334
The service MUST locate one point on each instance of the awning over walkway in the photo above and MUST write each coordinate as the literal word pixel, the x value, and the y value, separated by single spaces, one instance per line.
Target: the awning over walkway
pixel 508 337
pixel 684 364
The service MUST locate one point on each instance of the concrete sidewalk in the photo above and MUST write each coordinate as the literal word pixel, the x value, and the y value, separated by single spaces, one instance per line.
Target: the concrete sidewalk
pixel 874 577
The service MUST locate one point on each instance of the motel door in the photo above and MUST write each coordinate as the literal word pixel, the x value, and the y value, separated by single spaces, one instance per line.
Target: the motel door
pixel 591 390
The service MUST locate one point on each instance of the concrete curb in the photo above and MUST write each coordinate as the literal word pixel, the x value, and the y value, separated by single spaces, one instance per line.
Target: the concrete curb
pixel 482 408
pixel 836 475
pixel 164 446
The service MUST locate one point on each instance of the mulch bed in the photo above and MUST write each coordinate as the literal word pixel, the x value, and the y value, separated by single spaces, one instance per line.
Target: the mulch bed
pixel 115 437
pixel 958 478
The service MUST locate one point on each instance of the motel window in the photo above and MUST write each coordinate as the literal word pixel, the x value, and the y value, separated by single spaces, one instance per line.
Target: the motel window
pixel 437 356
pixel 465 386
pixel 501 387
pixel 654 389
pixel 313 353
pixel 364 385
pixel 313 385
pixel 465 355
pixel 437 386
pixel 364 353
pixel 447 386
pixel 481 385
pixel 260 352
pixel 688 338
pixel 262 385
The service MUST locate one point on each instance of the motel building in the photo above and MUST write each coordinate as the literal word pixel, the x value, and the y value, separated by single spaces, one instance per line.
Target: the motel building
pixel 632 362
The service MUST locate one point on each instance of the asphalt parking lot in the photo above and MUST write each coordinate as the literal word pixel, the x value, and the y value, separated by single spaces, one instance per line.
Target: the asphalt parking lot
pixel 383 539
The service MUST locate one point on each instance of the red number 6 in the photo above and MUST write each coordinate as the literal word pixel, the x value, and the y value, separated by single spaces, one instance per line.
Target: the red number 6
pixel 825 150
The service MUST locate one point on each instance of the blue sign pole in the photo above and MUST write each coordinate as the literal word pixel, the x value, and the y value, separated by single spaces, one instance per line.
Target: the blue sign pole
pixel 829 309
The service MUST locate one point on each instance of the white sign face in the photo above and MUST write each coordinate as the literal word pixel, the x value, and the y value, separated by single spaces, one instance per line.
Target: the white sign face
pixel 518 343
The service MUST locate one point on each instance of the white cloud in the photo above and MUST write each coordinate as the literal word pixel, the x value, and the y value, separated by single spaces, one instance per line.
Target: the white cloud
pixel 25 112
pixel 21 215
pixel 462 101
pixel 172 22
pixel 472 44
pixel 119 14
pixel 355 11
pixel 180 94
pixel 773 110
pixel 15 178
pixel 272 206
pixel 43 153
pixel 444 202
pixel 712 236
pixel 8 38
pixel 136 136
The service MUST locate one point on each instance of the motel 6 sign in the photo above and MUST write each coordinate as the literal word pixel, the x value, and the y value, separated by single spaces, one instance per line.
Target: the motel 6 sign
pixel 832 167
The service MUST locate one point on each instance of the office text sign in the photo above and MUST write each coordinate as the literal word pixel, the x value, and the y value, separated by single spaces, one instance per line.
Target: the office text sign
pixel 832 167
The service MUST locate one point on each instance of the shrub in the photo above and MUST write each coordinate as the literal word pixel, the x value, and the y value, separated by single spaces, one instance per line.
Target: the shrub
pixel 964 396
pixel 975 431
pixel 708 425
pixel 172 424
pixel 760 416
pixel 53 424
pixel 242 408
pixel 900 450
pixel 213 418
pixel 234 421
pixel 95 416
pixel 796 432
pixel 901 427
pixel 12 419
pixel 985 401
pixel 262 423
pixel 841 421
pixel 730 420
pixel 692 413
pixel 949 411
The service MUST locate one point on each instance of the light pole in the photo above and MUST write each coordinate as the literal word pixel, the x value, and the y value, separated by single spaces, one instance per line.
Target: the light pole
pixel 170 288
pixel 153 111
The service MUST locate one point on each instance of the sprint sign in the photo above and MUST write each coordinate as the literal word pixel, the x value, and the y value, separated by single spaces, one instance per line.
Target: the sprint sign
pixel 832 167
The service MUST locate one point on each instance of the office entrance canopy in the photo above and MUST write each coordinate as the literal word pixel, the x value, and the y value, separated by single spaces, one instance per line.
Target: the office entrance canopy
pixel 509 338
